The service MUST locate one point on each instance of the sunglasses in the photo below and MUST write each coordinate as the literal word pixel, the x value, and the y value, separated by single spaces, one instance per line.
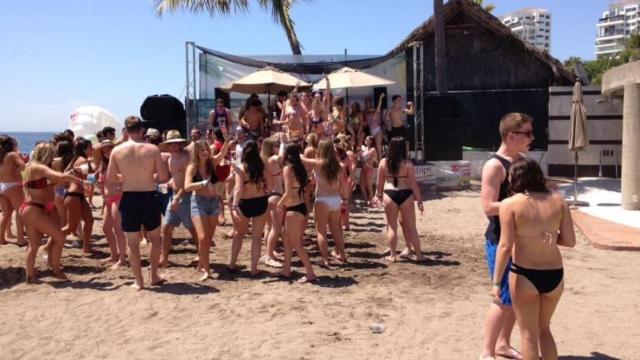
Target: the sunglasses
pixel 526 133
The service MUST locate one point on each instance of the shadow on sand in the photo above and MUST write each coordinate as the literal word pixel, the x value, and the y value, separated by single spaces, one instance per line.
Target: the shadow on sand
pixel 594 356
pixel 181 288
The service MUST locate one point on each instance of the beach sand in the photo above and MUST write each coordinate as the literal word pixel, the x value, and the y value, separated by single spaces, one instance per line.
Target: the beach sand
pixel 429 311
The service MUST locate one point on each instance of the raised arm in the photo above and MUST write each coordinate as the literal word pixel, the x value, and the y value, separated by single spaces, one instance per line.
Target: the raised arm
pixel 507 239
pixel 310 163
pixel 410 110
pixel 326 97
pixel 217 158
pixel 380 99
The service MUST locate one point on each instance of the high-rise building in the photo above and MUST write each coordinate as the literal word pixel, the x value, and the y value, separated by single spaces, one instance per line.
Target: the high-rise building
pixel 617 24
pixel 531 25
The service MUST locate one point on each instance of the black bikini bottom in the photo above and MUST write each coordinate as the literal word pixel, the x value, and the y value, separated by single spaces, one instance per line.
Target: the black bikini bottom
pixel 74 194
pixel 545 281
pixel 300 208
pixel 253 207
pixel 399 196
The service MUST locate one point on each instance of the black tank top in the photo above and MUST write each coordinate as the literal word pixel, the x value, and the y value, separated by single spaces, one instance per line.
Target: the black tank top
pixel 493 230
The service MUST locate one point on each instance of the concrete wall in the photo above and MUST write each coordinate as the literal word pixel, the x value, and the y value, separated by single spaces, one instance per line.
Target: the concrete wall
pixel 604 126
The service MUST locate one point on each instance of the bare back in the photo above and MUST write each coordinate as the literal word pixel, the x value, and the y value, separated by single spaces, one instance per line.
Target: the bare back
pixel 536 220
pixel 137 163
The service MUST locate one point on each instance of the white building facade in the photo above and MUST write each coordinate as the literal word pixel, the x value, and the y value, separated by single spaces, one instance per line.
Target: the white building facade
pixel 531 25
pixel 618 23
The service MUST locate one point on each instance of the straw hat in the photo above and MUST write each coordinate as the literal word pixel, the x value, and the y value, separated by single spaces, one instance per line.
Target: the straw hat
pixel 173 137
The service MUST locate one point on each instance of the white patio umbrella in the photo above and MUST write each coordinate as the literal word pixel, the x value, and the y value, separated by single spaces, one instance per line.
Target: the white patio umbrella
pixel 347 77
pixel 266 81
pixel 86 121
pixel 578 137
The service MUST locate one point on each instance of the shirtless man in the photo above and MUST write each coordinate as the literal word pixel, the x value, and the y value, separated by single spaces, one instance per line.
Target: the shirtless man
pixel 516 133
pixel 179 208
pixel 395 119
pixel 196 134
pixel 139 166
pixel 253 119
pixel 294 118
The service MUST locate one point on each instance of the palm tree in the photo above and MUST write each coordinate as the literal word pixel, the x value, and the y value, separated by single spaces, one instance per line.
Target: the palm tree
pixel 488 7
pixel 440 60
pixel 280 11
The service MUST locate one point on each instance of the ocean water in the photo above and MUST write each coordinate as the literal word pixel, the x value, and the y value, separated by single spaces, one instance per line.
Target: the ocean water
pixel 27 140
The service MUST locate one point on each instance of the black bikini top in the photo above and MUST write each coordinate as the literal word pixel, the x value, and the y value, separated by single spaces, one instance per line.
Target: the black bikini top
pixel 37 184
pixel 213 177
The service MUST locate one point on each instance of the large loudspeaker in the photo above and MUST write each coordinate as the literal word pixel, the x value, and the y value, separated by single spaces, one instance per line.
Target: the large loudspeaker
pixel 164 112
pixel 219 94
pixel 376 95
pixel 443 129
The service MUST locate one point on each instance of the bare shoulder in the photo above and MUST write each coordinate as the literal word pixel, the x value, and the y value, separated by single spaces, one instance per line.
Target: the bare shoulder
pixel 557 199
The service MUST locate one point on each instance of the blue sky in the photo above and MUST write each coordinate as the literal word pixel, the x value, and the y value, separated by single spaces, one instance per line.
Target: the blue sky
pixel 57 55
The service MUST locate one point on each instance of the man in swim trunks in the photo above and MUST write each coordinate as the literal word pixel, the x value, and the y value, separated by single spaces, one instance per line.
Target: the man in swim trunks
pixel 179 208
pixel 253 119
pixel 395 119
pixel 140 167
pixel 516 134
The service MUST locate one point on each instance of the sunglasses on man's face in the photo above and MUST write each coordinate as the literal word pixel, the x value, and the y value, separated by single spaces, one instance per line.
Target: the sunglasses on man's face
pixel 526 133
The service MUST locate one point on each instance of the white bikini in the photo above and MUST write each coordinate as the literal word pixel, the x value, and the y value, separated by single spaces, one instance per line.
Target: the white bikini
pixel 5 186
pixel 333 202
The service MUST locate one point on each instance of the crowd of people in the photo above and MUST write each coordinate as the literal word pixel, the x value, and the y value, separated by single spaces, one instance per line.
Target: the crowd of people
pixel 274 170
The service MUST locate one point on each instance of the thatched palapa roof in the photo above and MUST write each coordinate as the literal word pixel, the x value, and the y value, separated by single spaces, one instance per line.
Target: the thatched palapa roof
pixel 484 19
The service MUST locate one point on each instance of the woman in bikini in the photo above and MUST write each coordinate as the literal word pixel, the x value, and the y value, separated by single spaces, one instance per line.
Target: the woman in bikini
pixel 64 156
pixel 38 212
pixel 250 203
pixel 201 179
pixel 372 117
pixel 330 188
pixel 356 122
pixel 78 207
pixel 347 160
pixel 11 196
pixel 310 152
pixel 396 176
pixel 533 223
pixel 273 160
pixel 294 207
pixel 293 118
pixel 112 225
pixel 317 118
pixel 369 157
pixel 339 116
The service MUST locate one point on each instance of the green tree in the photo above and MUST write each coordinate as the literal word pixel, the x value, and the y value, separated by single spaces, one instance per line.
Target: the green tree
pixel 631 50
pixel 280 11
pixel 571 62
pixel 596 68
pixel 488 7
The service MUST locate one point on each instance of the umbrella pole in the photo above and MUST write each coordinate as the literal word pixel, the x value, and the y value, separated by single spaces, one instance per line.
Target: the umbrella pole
pixel 575 178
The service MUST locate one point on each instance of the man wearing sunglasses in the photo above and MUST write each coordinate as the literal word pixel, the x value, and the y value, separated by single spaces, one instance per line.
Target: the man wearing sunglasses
pixel 516 133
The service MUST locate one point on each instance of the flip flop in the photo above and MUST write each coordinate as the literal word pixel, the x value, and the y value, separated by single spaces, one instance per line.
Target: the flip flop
pixel 305 280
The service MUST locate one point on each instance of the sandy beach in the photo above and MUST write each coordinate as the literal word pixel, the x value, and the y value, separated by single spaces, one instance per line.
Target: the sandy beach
pixel 433 310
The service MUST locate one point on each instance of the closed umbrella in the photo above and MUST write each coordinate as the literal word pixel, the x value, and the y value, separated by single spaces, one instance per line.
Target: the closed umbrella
pixel 578 139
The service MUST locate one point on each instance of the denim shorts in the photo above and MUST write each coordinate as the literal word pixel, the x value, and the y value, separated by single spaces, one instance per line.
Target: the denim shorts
pixel 181 215
pixel 490 249
pixel 204 205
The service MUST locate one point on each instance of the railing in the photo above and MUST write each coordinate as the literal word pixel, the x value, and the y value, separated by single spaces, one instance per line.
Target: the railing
pixel 611 33
pixel 611 19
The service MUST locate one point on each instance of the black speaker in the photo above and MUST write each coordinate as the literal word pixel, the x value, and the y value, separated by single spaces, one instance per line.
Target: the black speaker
pixel 219 94
pixel 376 95
pixel 443 129
pixel 164 112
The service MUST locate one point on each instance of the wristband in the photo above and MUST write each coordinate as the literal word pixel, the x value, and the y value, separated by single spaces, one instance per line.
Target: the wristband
pixel 496 285
pixel 204 183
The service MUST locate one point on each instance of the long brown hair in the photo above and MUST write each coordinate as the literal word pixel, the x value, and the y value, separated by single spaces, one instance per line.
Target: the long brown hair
pixel 330 168
pixel 525 175
pixel 195 156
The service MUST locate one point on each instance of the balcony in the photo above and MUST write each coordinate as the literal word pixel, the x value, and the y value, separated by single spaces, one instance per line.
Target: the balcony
pixel 611 35
pixel 611 20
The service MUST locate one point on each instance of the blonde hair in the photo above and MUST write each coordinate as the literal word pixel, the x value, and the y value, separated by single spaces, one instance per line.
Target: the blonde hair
pixel 195 150
pixel 330 168
pixel 43 154
pixel 266 151
pixel 513 122
pixel 312 140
